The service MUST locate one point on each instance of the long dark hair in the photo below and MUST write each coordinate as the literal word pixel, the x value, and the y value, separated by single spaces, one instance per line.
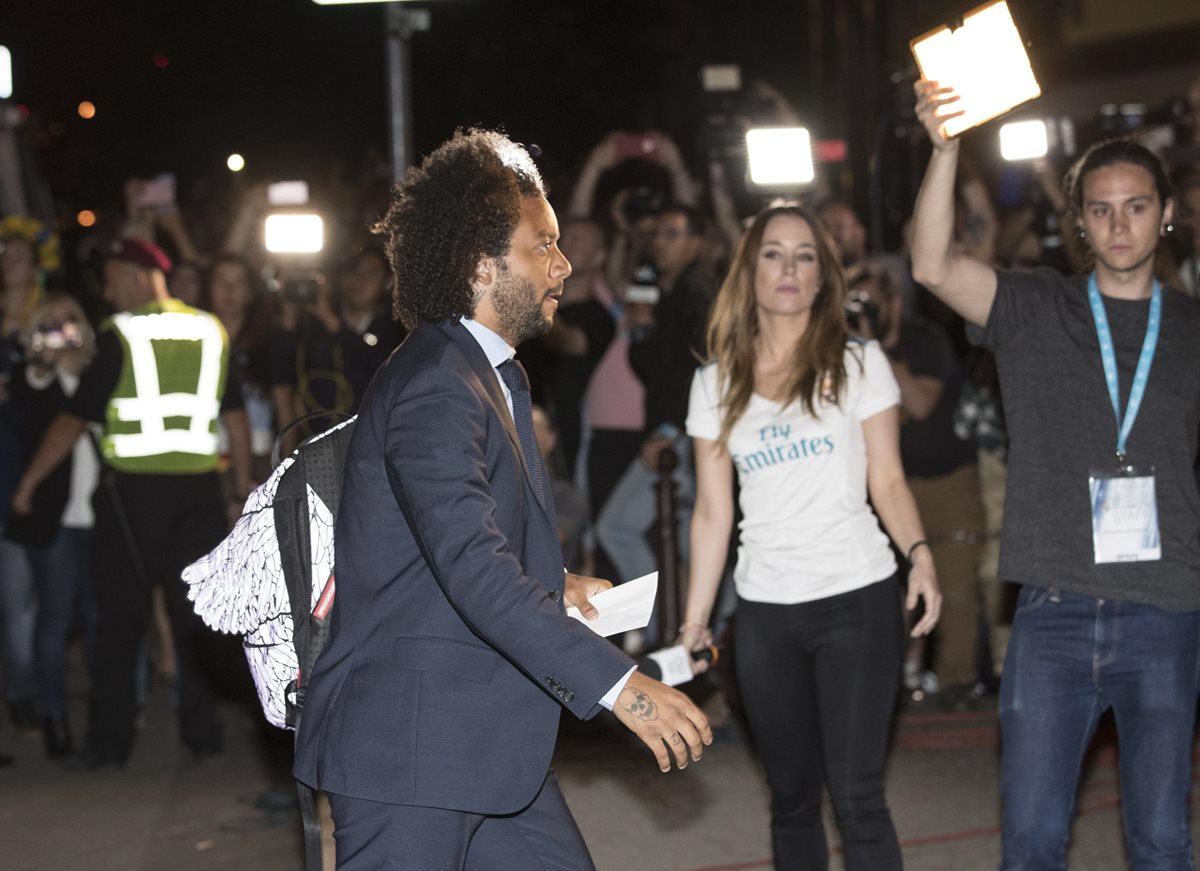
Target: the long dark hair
pixel 818 368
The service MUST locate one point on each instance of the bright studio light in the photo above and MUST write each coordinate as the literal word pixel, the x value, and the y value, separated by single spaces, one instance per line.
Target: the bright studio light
pixel 235 162
pixel 5 73
pixel 1024 140
pixel 291 233
pixel 984 61
pixel 779 156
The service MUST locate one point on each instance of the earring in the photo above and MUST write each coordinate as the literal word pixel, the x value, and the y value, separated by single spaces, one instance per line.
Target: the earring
pixel 1083 234
pixel 1165 229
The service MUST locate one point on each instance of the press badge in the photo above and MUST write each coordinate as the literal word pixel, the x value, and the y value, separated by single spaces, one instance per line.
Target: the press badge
pixel 1124 516
pixel 1124 507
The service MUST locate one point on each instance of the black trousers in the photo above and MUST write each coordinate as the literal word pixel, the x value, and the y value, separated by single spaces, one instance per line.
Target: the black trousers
pixel 372 836
pixel 173 519
pixel 818 683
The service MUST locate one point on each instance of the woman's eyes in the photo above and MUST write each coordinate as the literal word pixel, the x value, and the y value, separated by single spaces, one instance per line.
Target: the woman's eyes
pixel 806 257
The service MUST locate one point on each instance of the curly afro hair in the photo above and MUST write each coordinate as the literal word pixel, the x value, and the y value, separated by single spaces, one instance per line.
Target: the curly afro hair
pixel 461 205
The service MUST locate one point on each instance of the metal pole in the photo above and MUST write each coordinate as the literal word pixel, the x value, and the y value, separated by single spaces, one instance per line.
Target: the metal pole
pixel 399 66
pixel 670 606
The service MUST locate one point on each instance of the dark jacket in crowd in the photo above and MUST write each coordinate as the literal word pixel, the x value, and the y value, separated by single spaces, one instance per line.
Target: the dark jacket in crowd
pixel 667 358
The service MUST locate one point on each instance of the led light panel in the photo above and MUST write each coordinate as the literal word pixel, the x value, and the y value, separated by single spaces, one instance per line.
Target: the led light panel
pixel 984 61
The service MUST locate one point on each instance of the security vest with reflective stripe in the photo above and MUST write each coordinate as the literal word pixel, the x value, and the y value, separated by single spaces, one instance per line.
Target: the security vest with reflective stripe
pixel 162 416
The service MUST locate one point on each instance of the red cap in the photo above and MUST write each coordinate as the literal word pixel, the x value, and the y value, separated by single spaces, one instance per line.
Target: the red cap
pixel 144 254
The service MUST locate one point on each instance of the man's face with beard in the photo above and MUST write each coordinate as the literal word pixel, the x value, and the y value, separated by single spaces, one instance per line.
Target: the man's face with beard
pixel 530 278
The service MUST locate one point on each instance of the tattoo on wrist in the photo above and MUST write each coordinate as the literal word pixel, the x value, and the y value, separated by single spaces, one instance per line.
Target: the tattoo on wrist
pixel 639 704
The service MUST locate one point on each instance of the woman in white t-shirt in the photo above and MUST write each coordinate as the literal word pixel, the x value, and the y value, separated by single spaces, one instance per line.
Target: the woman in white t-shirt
pixel 809 419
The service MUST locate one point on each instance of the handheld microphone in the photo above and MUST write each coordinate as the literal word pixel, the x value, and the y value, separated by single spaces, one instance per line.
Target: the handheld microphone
pixel 673 665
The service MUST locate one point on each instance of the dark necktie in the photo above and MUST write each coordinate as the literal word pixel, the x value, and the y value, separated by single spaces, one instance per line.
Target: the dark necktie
pixel 514 376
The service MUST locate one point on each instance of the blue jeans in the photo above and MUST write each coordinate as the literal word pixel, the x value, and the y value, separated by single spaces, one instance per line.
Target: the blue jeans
pixel 62 572
pixel 1071 658
pixel 18 607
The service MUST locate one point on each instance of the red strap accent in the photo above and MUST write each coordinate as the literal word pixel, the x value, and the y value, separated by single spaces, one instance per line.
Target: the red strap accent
pixel 325 603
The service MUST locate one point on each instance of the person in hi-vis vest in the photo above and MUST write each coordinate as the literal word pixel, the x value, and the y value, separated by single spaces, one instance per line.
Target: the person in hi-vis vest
pixel 158 385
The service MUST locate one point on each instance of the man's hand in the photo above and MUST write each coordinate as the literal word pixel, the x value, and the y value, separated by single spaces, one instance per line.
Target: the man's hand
pixel 665 151
pixel 665 719
pixel 651 448
pixel 22 500
pixel 604 155
pixel 932 100
pixel 639 314
pixel 579 590
pixel 860 328
pixel 322 307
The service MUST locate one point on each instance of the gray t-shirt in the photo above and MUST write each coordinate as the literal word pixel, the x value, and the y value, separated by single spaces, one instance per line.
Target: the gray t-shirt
pixel 1061 423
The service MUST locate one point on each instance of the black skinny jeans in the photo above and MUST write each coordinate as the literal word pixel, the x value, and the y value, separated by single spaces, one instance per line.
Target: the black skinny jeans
pixel 819 682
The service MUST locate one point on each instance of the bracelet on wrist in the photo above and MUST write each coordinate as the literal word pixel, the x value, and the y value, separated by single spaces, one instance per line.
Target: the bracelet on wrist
pixel 908 557
pixel 704 631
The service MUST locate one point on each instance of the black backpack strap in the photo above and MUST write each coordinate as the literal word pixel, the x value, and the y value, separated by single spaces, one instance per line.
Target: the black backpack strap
pixel 320 464
pixel 313 858
pixel 291 530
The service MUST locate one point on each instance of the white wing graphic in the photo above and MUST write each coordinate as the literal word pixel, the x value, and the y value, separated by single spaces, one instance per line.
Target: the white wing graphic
pixel 320 538
pixel 239 585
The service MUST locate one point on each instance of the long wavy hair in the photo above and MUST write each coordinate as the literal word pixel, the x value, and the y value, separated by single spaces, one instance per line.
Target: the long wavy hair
pixel 818 370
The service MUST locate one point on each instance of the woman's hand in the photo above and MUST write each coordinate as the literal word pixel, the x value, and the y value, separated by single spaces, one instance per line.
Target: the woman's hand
pixel 932 99
pixel 923 585
pixel 693 637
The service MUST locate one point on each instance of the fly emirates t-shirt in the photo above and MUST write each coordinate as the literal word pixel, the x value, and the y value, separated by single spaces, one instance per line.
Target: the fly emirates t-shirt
pixel 807 531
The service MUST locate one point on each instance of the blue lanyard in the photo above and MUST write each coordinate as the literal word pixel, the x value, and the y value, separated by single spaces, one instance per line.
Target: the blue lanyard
pixel 1138 389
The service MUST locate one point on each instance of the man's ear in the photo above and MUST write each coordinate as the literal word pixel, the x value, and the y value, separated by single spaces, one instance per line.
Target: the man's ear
pixel 484 275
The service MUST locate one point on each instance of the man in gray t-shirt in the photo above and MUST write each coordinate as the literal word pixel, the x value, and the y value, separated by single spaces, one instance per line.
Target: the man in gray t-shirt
pixel 1101 384
pixel 1052 382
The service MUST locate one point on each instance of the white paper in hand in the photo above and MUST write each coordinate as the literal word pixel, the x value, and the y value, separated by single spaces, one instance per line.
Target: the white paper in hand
pixel 622 608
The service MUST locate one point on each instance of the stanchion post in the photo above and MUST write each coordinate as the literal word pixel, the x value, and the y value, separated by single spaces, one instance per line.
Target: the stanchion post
pixel 669 608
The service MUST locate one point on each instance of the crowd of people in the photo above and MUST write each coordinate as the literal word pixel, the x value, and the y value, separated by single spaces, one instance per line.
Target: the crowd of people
pixel 841 418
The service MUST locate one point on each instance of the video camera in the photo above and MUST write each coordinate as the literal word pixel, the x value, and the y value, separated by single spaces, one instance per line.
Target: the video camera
pixel 56 337
pixel 296 235
pixel 859 308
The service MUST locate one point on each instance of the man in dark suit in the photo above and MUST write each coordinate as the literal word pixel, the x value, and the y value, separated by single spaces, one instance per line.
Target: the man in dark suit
pixel 431 715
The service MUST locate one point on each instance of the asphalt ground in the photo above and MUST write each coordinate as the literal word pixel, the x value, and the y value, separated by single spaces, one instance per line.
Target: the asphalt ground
pixel 167 812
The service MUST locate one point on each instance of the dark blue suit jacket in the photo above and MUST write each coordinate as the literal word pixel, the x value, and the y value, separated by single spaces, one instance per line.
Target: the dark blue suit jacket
pixel 450 655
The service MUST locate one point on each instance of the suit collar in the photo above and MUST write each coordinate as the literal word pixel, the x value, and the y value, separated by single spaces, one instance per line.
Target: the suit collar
pixel 463 339
pixel 493 344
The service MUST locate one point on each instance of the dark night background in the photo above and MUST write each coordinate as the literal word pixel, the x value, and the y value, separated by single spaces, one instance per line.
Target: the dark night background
pixel 299 89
